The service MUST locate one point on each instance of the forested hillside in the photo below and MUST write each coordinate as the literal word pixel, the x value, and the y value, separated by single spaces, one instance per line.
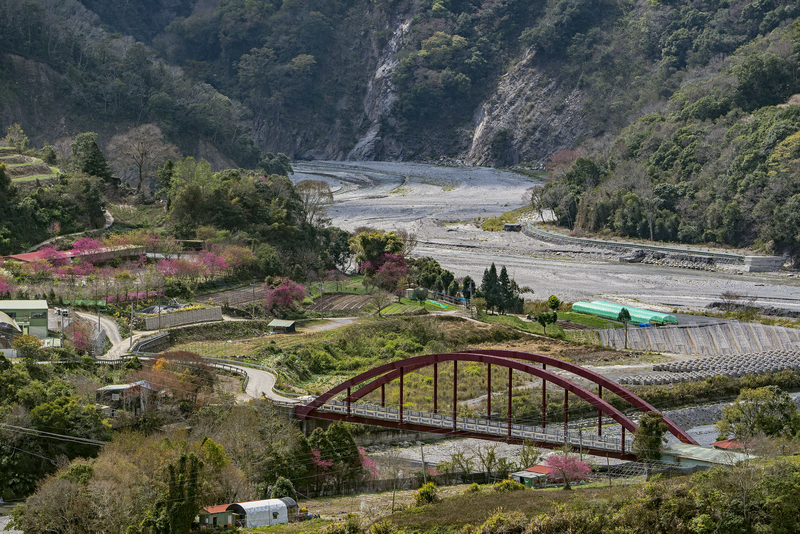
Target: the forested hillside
pixel 719 164
pixel 490 81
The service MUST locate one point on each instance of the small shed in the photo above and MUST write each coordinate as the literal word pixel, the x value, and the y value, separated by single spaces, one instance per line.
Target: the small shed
pixel 537 475
pixel 279 326
pixel 264 513
pixel 217 516
pixel 135 397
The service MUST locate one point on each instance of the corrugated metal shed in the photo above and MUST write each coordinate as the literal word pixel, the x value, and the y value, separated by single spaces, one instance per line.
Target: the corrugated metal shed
pixel 263 513
pixel 122 387
pixel 281 326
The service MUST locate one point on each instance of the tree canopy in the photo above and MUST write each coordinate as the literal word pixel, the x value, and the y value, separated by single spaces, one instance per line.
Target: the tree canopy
pixel 767 411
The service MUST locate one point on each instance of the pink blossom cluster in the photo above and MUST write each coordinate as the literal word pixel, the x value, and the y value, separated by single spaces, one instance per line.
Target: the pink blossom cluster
pixel 182 268
pixel 567 467
pixel 235 256
pixel 7 285
pixel 80 340
pixel 86 244
pixel 368 463
pixel 392 273
pixel 286 294
pixel 54 257
pixel 316 458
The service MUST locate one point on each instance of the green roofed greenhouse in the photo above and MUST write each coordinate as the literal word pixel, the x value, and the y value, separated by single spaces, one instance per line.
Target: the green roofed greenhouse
pixel 609 310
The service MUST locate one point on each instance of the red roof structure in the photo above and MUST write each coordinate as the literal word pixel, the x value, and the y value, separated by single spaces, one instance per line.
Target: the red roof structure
pixel 540 469
pixel 100 254
pixel 216 509
pixel 727 444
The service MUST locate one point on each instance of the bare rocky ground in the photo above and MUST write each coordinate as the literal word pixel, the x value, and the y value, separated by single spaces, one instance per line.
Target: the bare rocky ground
pixel 442 204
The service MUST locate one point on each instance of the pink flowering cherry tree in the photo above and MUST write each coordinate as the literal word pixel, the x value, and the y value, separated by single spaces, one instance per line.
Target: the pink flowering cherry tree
pixel 286 294
pixel 567 467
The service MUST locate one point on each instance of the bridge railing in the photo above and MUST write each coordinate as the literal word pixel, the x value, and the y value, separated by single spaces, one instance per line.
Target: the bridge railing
pixel 554 434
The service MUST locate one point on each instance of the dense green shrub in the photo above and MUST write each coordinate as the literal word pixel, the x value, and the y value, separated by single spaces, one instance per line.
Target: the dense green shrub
pixel 427 494
pixel 508 485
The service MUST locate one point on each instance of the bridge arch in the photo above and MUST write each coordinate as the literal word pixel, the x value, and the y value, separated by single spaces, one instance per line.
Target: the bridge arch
pixel 381 375
pixel 600 380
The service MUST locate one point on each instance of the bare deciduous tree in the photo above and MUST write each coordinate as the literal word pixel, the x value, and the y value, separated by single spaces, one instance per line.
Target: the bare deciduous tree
pixel 136 154
pixel 409 240
pixel 315 195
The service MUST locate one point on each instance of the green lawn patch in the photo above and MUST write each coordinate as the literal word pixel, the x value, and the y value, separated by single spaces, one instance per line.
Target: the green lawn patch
pixel 35 177
pixel 401 308
pixel 315 525
pixel 474 508
pixel 587 320
pixel 525 326
pixel 495 224
pixel 432 304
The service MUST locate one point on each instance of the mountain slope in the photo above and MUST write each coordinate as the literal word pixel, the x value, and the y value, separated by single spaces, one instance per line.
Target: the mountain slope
pixel 488 81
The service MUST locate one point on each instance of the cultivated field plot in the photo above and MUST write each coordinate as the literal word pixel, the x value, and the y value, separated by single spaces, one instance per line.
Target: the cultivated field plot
pixel 237 297
pixel 224 349
pixel 566 325
pixel 338 303
pixel 25 168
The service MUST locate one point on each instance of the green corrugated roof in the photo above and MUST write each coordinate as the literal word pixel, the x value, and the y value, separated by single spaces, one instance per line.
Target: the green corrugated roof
pixel 281 323
pixel 706 454
pixel 23 304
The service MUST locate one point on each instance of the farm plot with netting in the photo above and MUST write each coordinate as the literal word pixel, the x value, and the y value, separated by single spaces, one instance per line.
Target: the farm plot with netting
pixel 341 303
pixel 237 297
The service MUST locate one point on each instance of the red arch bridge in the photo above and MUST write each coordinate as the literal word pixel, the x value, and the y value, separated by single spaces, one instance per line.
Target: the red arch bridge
pixel 445 420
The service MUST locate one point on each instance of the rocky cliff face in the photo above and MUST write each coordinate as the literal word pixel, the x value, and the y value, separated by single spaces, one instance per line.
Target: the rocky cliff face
pixel 381 94
pixel 527 118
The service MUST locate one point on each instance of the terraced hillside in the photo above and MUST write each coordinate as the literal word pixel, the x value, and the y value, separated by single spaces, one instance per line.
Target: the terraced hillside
pixel 25 168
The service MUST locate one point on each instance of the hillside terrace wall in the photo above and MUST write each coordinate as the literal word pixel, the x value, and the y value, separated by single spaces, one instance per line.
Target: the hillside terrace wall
pixel 168 320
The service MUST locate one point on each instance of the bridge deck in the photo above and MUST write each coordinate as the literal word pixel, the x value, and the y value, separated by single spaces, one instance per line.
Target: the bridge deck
pixel 550 437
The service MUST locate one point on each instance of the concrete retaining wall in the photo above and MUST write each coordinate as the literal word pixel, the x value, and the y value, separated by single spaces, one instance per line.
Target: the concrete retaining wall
pixel 763 264
pixel 654 253
pixel 168 320
pixel 708 340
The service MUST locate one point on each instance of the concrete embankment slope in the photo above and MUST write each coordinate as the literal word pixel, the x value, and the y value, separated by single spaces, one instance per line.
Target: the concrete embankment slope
pixel 724 337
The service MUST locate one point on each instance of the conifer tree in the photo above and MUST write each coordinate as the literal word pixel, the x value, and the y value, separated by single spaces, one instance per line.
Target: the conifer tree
pixel 87 156
pixel 506 291
pixel 490 287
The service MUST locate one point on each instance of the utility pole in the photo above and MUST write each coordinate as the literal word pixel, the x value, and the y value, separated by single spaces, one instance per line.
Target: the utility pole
pixel 424 471
pixel 254 298
pixel 131 328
